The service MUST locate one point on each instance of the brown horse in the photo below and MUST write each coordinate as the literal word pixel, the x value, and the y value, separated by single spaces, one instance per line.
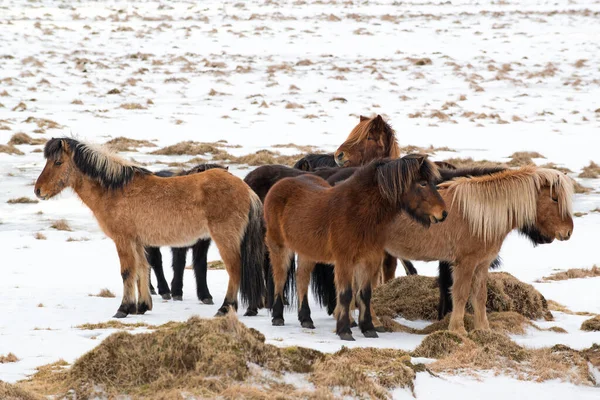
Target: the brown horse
pixel 484 210
pixel 345 225
pixel 135 208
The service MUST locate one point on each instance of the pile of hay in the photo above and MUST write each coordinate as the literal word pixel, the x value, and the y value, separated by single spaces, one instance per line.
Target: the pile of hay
pixel 416 297
pixel 221 358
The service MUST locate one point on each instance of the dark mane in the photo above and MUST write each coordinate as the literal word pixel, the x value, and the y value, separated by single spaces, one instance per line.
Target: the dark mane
pixel 448 175
pixel 395 177
pixel 311 162
pixel 97 163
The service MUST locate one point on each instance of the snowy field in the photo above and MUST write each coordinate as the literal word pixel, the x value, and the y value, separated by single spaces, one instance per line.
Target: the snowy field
pixel 497 77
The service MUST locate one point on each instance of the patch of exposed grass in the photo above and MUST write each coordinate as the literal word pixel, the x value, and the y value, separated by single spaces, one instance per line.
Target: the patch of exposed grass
pixel 133 106
pixel 556 167
pixel 61 225
pixel 505 293
pixel 104 293
pixel 10 391
pixel 39 236
pixel 293 105
pixel 22 200
pixel 423 150
pixel 420 61
pixel 81 239
pixel 9 358
pixel 126 144
pixel 574 273
pixel 522 158
pixel 262 157
pixel 302 148
pixel 114 324
pixel 23 138
pixel 192 148
pixel 469 162
pixel 591 171
pixel 438 345
pixel 44 123
pixel 40 305
pixel 217 264
pixel 10 149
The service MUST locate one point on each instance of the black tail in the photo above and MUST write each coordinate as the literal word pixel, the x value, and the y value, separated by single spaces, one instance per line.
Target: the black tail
pixel 323 286
pixel 252 283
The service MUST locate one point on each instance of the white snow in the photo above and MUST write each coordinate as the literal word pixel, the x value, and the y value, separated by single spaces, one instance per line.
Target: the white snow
pixel 86 48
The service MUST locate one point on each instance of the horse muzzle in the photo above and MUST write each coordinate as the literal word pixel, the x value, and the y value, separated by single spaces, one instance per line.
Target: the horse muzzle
pixel 563 236
pixel 437 219
pixel 38 194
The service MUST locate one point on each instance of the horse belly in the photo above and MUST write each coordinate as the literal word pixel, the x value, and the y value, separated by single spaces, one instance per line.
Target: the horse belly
pixel 179 232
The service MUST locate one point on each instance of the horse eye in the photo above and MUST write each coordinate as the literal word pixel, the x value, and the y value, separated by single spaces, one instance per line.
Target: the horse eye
pixel 555 199
pixel 58 163
pixel 370 138
pixel 423 184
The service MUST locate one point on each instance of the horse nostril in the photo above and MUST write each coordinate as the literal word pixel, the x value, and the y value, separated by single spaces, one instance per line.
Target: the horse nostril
pixel 340 155
pixel 37 191
pixel 569 234
pixel 444 215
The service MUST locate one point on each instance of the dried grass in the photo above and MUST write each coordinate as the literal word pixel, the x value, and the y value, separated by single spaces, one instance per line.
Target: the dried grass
pixel 22 200
pixel 217 265
pixel 104 293
pixel 39 236
pixel 114 324
pixel 126 144
pixel 16 392
pixel 505 293
pixel 44 123
pixel 592 171
pixel 191 148
pixel 9 358
pixel 592 324
pixel 469 162
pixel 61 225
pixel 133 106
pixel 23 138
pixel 10 149
pixel 574 273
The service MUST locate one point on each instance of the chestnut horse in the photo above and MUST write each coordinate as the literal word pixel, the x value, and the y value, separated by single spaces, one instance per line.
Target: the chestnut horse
pixel 135 208
pixel 484 210
pixel 345 225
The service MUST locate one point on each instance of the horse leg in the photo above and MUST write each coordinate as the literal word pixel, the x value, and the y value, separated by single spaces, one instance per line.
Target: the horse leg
pixel 366 276
pixel 445 285
pixel 200 254
pixel 179 256
pixel 376 322
pixel 143 273
pixel 304 271
pixel 462 274
pixel 479 296
pixel 389 267
pixel 127 255
pixel 154 258
pixel 230 252
pixel 343 282
pixel 280 260
pixel 409 268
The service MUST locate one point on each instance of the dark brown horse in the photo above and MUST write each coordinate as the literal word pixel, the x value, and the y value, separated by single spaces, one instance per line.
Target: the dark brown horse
pixel 136 209
pixel 344 225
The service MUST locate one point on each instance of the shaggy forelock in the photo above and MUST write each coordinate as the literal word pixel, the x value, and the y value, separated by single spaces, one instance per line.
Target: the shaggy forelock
pixel 395 177
pixel 362 130
pixel 495 203
pixel 97 162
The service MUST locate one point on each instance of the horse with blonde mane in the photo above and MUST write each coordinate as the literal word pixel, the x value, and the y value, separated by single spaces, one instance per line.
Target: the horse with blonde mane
pixel 136 208
pixel 483 211
pixel 344 225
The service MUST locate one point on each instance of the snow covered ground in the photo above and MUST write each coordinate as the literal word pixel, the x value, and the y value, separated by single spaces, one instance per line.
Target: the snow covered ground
pixel 501 77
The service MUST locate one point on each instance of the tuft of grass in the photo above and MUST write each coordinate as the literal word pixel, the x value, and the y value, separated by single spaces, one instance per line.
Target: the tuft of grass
pixel 573 273
pixel 293 106
pixel 469 162
pixel 39 236
pixel 420 61
pixel 438 345
pixel 77 102
pixel 10 149
pixel 23 138
pixel 217 264
pixel 104 293
pixel 61 225
pixel 44 123
pixel 592 324
pixel 22 200
pixel 133 106
pixel 126 144
pixel 81 239
pixel 522 158
pixel 592 171
pixel 556 167
pixel 113 324
pixel 9 358
pixel 114 91
pixel 192 148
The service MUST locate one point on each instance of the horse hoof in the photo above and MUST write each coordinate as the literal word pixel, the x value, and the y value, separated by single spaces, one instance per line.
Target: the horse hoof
pixel 166 296
pixel 353 324
pixel 251 313
pixel 120 314
pixel 152 291
pixel 308 325
pixel 347 336
pixel 142 308
pixel 380 329
pixel 207 300
pixel 370 334
pixel 221 313
pixel 277 321
pixel 178 298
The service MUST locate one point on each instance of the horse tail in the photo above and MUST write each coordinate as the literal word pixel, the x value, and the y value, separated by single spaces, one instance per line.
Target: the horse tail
pixel 323 286
pixel 252 252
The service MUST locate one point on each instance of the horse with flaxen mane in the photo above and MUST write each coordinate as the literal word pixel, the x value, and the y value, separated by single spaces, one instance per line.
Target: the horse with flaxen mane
pixel 344 225
pixel 136 209
pixel 484 210
pixel 199 254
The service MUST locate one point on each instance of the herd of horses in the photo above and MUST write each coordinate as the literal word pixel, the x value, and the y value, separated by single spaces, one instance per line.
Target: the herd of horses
pixel 347 217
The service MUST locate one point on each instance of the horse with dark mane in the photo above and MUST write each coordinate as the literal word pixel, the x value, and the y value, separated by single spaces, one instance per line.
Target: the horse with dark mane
pixel 137 209
pixel 199 254
pixel 344 225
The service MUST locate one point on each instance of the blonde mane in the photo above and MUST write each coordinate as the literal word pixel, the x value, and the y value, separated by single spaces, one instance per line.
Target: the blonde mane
pixel 97 162
pixel 362 130
pixel 495 204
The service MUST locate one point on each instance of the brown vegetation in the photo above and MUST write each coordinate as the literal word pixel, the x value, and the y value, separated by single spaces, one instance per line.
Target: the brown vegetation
pixel 9 358
pixel 125 144
pixel 10 149
pixel 61 225
pixel 132 106
pixel 591 171
pixel 114 324
pixel 23 138
pixel 573 273
pixel 104 293
pixel 39 236
pixel 22 200
pixel 469 162
pixel 592 324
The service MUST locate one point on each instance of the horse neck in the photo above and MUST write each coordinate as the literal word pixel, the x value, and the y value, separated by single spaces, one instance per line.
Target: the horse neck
pixel 363 185
pixel 88 190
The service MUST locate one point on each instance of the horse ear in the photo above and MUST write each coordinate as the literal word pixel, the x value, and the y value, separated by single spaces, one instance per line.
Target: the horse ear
pixel 363 118
pixel 64 145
